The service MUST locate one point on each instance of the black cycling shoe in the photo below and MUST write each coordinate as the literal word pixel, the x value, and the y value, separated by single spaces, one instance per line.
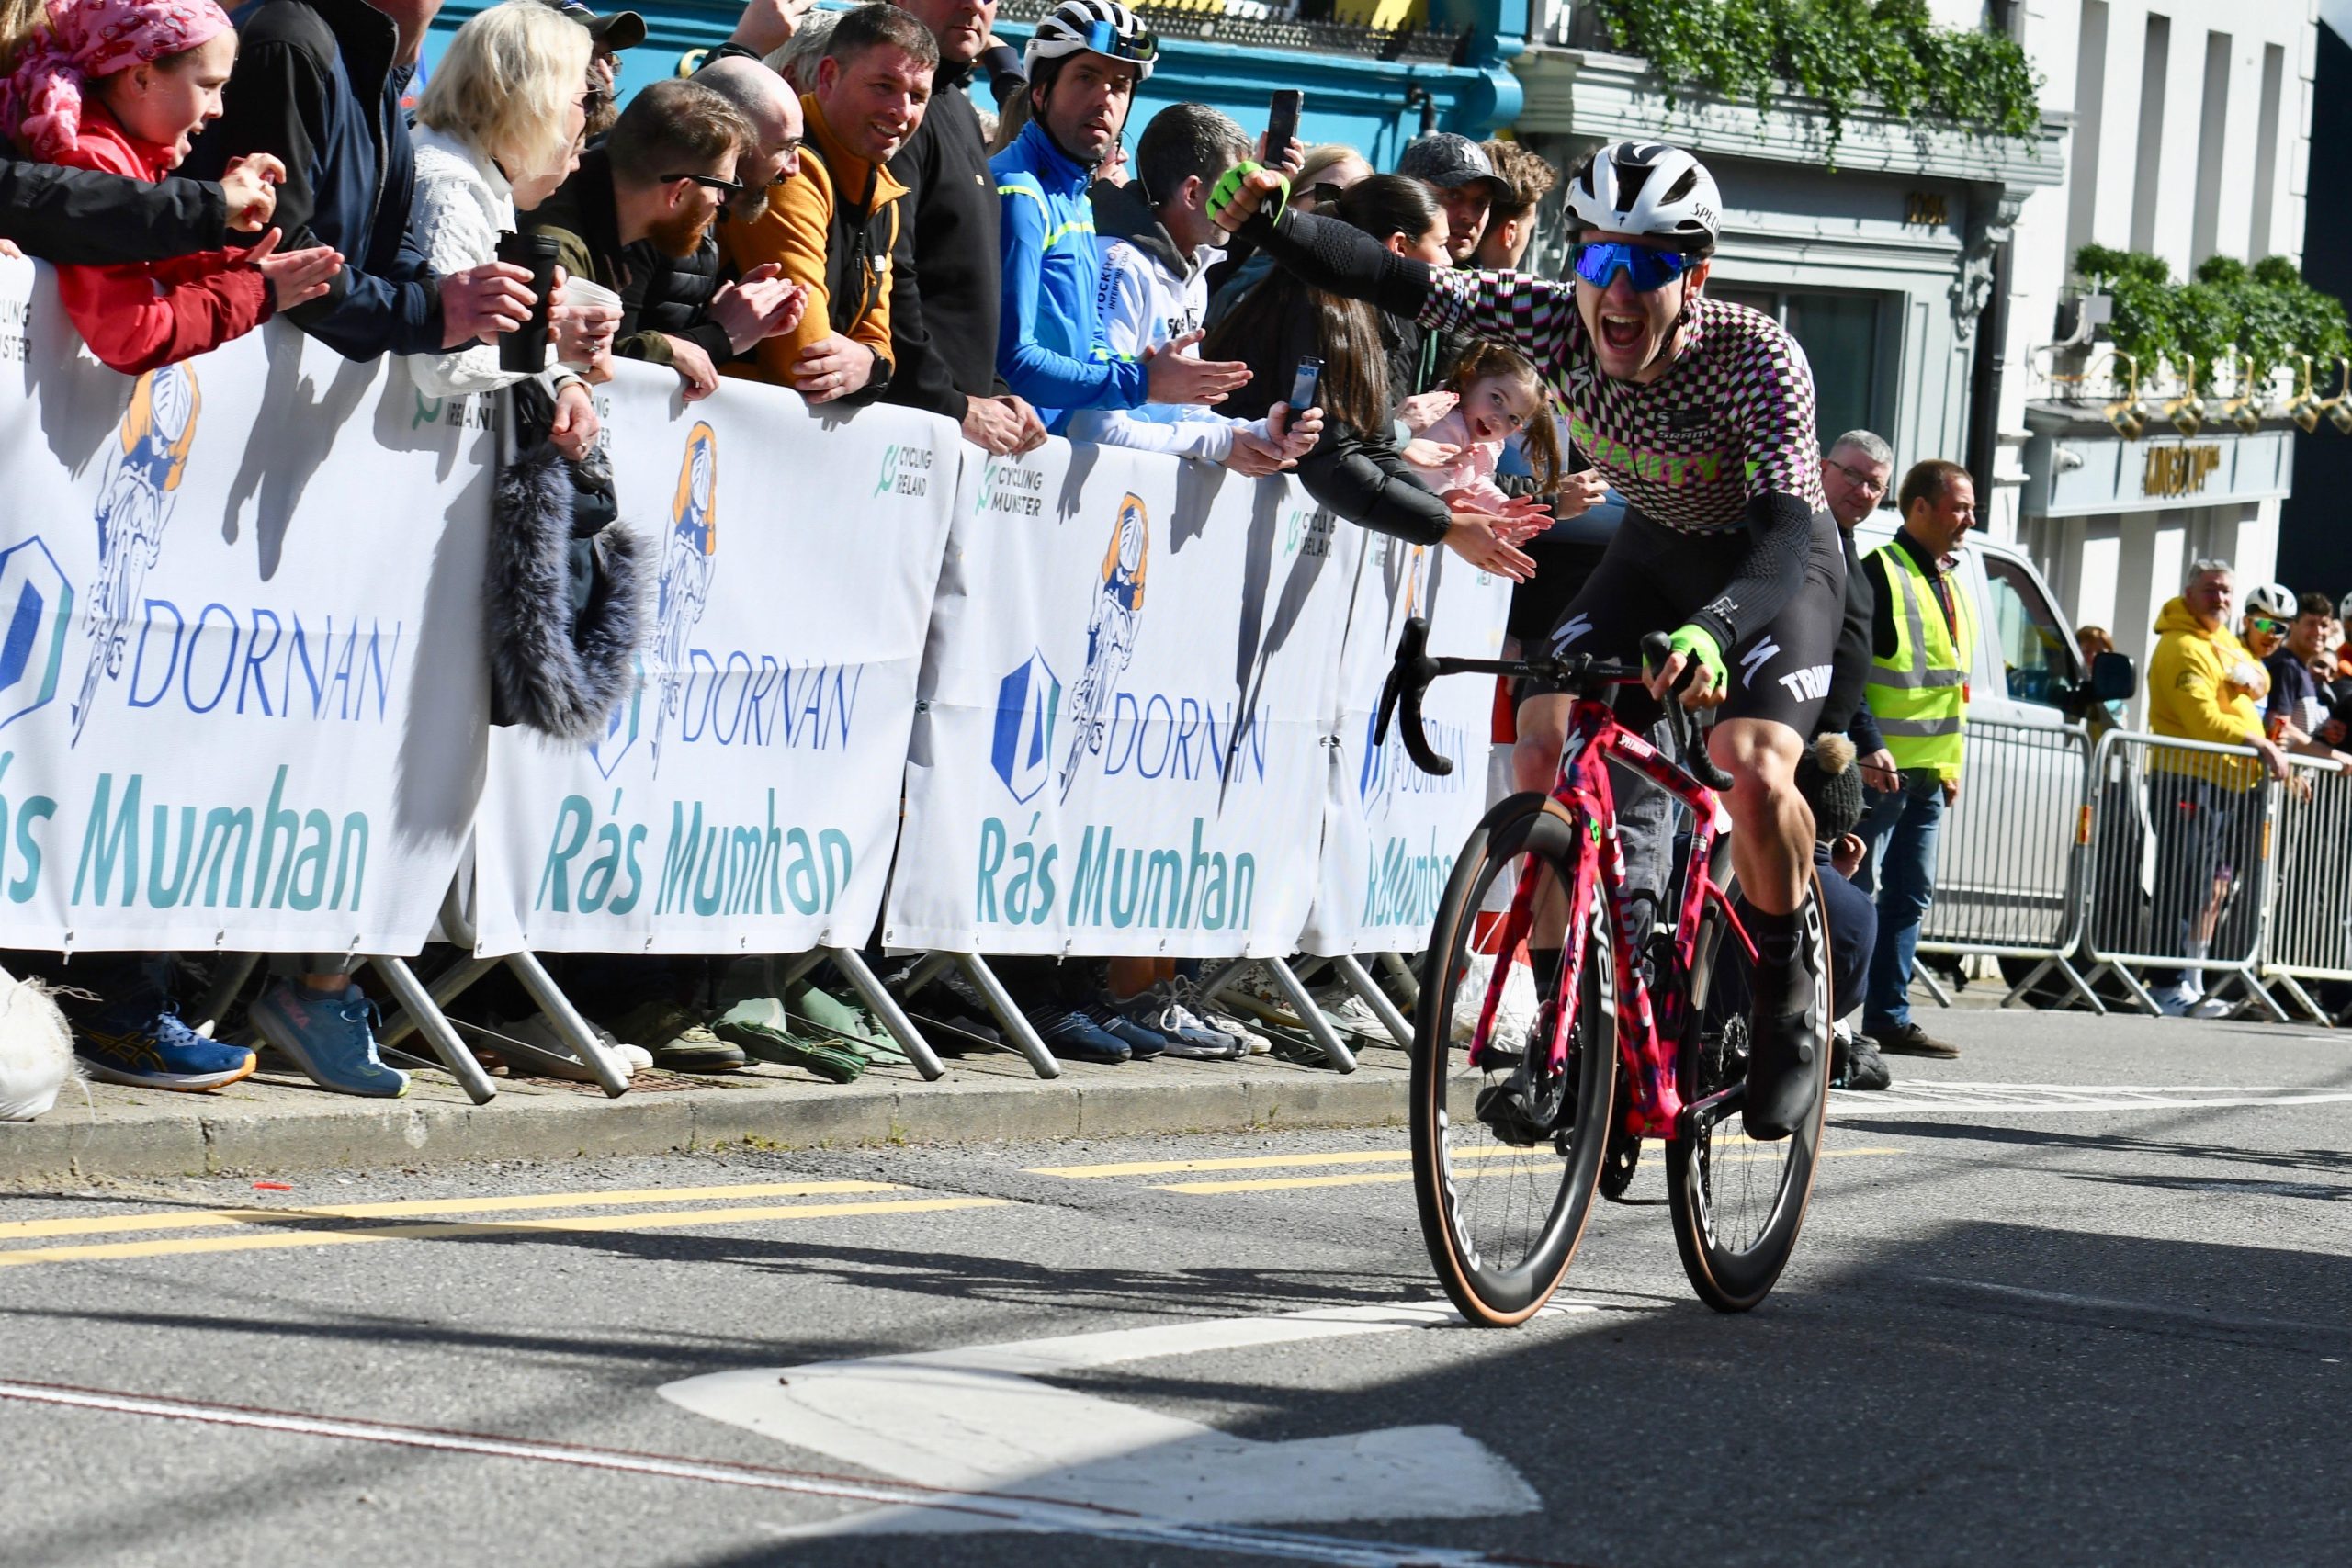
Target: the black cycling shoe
pixel 1522 1110
pixel 1784 1056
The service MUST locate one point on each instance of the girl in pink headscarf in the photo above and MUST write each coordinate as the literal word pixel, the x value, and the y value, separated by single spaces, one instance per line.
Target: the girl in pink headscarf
pixel 120 86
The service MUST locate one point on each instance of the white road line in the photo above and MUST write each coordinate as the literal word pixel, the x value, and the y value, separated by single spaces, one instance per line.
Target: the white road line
pixel 987 1511
pixel 2045 1099
pixel 976 1419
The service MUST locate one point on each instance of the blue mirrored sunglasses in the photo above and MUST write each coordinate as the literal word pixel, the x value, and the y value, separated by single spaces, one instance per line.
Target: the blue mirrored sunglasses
pixel 1647 267
pixel 1102 37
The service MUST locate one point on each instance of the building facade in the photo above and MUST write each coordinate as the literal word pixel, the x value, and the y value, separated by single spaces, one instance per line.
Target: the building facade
pixel 2191 128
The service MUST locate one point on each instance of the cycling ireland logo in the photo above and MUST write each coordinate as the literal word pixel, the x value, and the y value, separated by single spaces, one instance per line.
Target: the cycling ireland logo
pixel 685 570
pixel 158 429
pixel 1110 634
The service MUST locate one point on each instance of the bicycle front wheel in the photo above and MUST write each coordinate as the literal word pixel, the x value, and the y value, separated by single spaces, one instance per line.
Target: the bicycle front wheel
pixel 1507 1154
pixel 1739 1204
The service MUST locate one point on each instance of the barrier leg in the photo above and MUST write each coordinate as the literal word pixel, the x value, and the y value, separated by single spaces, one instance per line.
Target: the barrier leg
pixel 1926 977
pixel 1318 1028
pixel 2302 1000
pixel 1017 1027
pixel 235 970
pixel 570 1027
pixel 420 1006
pixel 2140 996
pixel 1373 998
pixel 2248 982
pixel 446 987
pixel 1403 974
pixel 885 1008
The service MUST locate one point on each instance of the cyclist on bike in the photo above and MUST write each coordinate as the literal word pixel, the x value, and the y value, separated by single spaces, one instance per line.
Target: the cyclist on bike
pixel 1701 412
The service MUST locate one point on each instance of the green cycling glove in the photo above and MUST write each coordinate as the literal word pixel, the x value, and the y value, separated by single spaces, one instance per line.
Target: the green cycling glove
pixel 1696 642
pixel 1229 186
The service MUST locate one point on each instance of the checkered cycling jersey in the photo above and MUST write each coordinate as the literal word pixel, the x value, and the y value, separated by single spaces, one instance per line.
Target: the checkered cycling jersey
pixel 1732 420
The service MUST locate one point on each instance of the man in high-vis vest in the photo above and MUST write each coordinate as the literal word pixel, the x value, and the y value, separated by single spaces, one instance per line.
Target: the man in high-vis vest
pixel 1923 633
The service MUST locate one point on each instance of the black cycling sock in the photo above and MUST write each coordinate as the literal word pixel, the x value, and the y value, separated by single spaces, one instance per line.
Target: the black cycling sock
pixel 1780 959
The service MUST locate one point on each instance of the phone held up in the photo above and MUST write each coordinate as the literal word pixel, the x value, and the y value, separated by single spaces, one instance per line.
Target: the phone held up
pixel 1282 123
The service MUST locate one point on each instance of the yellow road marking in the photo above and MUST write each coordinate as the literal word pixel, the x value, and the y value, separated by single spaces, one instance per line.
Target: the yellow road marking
pixel 205 1219
pixel 1363 1178
pixel 1248 1162
pixel 253 1241
pixel 1279 1183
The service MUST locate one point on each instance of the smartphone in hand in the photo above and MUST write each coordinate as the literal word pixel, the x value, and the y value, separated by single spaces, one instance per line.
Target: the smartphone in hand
pixel 1282 123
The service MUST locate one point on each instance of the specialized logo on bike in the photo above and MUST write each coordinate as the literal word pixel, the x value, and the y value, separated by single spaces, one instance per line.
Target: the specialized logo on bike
pixel 158 430
pixel 1111 629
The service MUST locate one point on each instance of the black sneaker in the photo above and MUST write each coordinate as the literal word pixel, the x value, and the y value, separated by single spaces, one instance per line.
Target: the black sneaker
pixel 1910 1040
pixel 1784 1065
pixel 1855 1064
pixel 1523 1109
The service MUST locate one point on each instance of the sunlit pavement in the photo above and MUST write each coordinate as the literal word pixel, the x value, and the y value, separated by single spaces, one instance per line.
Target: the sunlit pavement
pixel 2079 1296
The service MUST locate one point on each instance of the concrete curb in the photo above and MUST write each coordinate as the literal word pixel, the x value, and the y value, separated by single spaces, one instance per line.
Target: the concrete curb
pixel 282 1126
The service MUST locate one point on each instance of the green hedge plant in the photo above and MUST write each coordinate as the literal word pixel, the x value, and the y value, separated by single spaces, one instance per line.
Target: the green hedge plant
pixel 2265 313
pixel 1841 52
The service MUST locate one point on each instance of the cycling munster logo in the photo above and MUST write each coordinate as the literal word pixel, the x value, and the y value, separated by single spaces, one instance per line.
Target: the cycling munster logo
pixel 136 503
pixel 686 571
pixel 1110 634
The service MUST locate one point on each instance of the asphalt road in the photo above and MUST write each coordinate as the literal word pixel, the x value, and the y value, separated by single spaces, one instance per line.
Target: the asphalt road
pixel 2103 1317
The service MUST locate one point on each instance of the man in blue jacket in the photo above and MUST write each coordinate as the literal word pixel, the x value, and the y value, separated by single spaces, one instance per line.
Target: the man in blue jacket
pixel 1085 60
pixel 318 84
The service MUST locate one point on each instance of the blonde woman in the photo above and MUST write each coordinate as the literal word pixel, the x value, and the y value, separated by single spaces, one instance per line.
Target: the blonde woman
pixel 497 130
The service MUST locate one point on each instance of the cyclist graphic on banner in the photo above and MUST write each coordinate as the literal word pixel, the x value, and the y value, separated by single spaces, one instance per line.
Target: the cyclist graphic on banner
pixel 685 570
pixel 158 429
pixel 1110 635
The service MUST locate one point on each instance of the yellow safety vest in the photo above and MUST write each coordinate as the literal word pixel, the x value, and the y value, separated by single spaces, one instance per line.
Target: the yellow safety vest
pixel 1920 695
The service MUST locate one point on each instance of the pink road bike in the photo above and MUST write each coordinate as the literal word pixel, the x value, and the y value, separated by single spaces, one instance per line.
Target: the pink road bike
pixel 1526 1106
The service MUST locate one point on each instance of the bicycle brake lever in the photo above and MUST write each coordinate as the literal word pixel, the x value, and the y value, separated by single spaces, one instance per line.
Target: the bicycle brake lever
pixel 1657 648
pixel 1408 678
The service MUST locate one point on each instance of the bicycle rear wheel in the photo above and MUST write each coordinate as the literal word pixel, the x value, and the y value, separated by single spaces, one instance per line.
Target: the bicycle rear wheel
pixel 1507 1155
pixel 1737 1203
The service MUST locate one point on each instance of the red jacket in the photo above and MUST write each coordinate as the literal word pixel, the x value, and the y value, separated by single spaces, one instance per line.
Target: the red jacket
pixel 147 314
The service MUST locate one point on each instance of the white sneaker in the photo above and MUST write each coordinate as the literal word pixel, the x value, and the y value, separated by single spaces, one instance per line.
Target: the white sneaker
pixel 553 1057
pixel 1514 1016
pixel 1351 1014
pixel 2173 1001
pixel 2212 1007
pixel 1253 1042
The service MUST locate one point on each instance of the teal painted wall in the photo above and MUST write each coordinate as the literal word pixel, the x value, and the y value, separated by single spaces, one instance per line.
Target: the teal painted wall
pixel 1357 100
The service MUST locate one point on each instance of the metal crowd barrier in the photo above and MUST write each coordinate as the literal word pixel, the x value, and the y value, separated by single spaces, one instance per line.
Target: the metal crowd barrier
pixel 2008 879
pixel 2310 928
pixel 2180 865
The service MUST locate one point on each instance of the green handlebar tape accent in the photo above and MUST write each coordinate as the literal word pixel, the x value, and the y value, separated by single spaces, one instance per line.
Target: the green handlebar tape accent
pixel 1697 642
pixel 1229 186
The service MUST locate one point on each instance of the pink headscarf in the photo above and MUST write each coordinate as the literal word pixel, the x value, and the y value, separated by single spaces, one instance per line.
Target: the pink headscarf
pixel 41 101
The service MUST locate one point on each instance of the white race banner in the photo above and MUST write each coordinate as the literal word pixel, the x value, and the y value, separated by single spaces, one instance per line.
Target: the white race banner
pixel 746 798
pixel 242 698
pixel 1128 700
pixel 1391 831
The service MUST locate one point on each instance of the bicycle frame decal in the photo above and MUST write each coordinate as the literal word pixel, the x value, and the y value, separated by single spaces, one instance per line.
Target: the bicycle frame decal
pixel 1646 1045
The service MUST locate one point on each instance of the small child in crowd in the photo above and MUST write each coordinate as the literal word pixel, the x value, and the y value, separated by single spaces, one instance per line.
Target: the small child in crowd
pixel 120 86
pixel 1496 395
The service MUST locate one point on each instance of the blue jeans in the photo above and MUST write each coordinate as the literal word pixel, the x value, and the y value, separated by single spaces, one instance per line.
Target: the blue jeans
pixel 1900 829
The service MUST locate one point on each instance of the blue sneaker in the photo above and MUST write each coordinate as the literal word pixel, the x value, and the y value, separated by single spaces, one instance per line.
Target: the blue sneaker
pixel 330 1038
pixel 1070 1036
pixel 140 1040
pixel 1143 1042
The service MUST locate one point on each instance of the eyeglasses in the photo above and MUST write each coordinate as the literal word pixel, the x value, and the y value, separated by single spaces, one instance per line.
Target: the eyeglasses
pixel 1102 37
pixel 2267 626
pixel 1868 484
pixel 1648 269
pixel 708 182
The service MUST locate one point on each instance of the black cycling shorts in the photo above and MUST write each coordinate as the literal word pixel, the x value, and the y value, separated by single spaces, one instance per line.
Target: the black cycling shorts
pixel 1653 578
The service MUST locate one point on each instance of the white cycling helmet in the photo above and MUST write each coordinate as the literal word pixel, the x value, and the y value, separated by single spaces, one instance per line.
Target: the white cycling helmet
pixel 1092 26
pixel 2274 601
pixel 1651 189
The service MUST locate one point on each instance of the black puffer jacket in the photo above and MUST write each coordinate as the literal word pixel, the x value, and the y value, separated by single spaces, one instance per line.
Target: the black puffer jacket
pixel 678 292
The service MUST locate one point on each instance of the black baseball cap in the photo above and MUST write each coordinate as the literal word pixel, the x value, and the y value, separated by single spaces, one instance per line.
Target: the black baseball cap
pixel 619 31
